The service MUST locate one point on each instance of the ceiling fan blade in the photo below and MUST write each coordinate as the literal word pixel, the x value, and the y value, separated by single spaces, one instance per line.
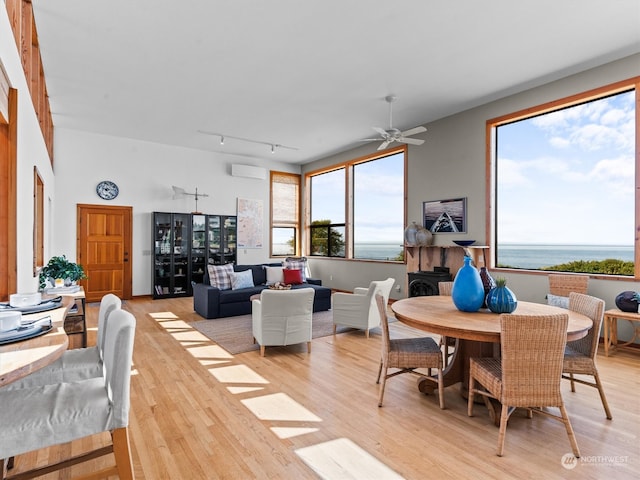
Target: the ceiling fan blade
pixel 384 144
pixel 411 141
pixel 370 140
pixel 381 131
pixel 413 131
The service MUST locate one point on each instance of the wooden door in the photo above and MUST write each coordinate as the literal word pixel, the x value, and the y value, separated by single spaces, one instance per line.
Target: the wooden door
pixel 104 246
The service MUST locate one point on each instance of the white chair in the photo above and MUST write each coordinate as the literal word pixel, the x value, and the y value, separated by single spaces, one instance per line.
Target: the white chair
pixel 359 310
pixel 47 415
pixel 282 317
pixel 77 364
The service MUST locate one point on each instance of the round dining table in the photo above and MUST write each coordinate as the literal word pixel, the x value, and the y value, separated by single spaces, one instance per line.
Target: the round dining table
pixel 20 358
pixel 477 334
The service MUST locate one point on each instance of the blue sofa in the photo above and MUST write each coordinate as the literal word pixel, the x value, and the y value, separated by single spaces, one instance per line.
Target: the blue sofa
pixel 211 302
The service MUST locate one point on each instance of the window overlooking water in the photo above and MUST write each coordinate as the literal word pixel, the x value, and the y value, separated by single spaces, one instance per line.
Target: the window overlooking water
pixel 564 179
pixel 370 225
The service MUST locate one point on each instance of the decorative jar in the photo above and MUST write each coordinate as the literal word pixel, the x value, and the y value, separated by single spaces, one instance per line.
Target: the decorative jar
pixel 501 299
pixel 424 237
pixel 410 235
pixel 487 282
pixel 467 292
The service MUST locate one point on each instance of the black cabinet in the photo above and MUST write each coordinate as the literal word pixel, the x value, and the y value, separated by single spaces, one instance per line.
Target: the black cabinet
pixel 184 244
pixel 171 233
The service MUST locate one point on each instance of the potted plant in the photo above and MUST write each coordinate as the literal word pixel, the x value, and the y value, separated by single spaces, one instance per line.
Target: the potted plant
pixel 59 270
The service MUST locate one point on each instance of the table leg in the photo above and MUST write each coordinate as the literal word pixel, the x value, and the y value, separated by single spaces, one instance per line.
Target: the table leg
pixel 457 371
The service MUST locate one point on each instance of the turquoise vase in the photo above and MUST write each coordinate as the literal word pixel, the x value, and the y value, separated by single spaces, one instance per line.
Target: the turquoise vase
pixel 501 300
pixel 467 292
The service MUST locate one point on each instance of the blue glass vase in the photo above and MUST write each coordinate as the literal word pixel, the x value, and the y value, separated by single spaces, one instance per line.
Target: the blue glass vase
pixel 501 300
pixel 467 292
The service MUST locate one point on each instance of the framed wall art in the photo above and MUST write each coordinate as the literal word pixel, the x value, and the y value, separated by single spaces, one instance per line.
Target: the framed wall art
pixel 445 216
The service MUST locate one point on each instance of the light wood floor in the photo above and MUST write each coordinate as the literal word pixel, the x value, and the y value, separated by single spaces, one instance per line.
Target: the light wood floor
pixel 198 412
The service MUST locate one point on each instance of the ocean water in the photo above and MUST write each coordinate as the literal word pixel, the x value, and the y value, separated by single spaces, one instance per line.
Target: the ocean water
pixel 538 256
pixel 515 255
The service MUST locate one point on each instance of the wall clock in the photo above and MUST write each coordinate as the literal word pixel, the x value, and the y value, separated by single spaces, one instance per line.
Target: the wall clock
pixel 107 190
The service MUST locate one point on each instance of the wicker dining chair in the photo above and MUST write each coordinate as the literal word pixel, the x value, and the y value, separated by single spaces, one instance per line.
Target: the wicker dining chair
pixel 447 343
pixel 562 284
pixel 580 355
pixel 407 354
pixel 529 372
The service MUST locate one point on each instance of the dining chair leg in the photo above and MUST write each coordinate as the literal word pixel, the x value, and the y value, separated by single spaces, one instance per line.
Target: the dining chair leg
pixel 122 453
pixel 572 436
pixel 607 411
pixel 504 418
pixel 379 371
pixel 308 347
pixel 384 382
pixel 441 388
pixel 470 399
pixel 573 384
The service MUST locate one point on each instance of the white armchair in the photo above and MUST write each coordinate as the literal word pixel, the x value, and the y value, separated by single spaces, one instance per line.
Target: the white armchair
pixel 359 310
pixel 282 317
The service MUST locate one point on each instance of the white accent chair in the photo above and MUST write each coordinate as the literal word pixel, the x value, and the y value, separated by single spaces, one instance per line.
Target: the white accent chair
pixel 282 317
pixel 76 364
pixel 47 415
pixel 359 310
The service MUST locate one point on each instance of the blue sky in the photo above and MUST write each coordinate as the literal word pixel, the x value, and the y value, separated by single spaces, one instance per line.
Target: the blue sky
pixel 568 177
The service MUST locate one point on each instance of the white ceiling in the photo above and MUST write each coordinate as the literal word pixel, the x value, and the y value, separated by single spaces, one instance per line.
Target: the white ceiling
pixel 307 74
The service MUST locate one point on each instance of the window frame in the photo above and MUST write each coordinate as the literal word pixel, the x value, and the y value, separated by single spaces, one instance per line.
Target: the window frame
pixel 554 105
pixel 273 177
pixel 348 201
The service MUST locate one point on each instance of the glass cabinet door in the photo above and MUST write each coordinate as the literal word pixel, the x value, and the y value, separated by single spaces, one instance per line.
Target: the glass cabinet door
pixel 214 232
pixel 198 247
pixel 162 254
pixel 181 277
pixel 230 232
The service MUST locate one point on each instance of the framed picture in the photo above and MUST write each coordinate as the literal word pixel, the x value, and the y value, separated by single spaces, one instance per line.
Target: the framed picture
pixel 445 216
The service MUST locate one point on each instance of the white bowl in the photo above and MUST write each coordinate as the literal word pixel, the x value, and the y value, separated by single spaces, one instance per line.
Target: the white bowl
pixel 25 299
pixel 10 321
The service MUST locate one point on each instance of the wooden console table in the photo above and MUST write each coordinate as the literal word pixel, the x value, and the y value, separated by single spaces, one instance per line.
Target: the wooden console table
pixel 611 328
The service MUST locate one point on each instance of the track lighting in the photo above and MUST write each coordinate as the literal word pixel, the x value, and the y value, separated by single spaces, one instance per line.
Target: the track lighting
pixel 272 145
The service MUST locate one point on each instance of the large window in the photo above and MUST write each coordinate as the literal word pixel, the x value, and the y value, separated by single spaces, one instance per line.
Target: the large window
pixel 285 213
pixel 565 184
pixel 357 210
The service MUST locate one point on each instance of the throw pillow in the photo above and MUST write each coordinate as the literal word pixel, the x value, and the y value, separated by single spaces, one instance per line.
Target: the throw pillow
pixel 293 277
pixel 274 275
pixel 242 279
pixel 558 301
pixel 297 264
pixel 220 276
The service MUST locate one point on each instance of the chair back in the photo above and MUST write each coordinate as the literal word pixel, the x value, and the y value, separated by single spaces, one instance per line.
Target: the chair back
pixel 108 304
pixel 286 316
pixel 593 308
pixel 381 305
pixel 383 287
pixel 562 284
pixel 444 288
pixel 532 348
pixel 118 353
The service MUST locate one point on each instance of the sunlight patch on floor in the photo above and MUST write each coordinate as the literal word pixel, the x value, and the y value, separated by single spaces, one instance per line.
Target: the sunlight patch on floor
pixel 207 352
pixel 341 458
pixel 290 432
pixel 160 316
pixel 236 374
pixel 238 390
pixel 279 406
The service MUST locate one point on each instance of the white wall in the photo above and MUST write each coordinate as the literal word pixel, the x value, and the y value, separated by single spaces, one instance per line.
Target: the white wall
pixel 145 173
pixel 31 152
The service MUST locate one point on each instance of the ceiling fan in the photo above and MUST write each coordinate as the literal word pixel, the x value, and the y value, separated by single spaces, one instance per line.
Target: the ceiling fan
pixel 393 134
